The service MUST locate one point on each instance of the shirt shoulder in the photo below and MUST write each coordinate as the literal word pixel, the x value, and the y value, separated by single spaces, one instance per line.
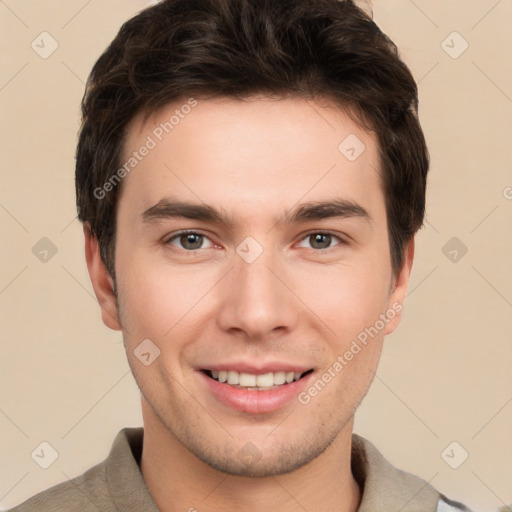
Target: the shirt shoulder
pixel 387 488
pixel 114 484
pixel 85 493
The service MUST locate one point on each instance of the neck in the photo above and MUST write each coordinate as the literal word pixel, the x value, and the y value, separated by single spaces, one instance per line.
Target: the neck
pixel 179 481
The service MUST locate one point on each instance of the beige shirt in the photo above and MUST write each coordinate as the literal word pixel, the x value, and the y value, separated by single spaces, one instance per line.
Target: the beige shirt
pixel 117 485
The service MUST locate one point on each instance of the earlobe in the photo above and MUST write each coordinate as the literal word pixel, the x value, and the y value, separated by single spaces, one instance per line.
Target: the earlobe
pixel 101 279
pixel 399 289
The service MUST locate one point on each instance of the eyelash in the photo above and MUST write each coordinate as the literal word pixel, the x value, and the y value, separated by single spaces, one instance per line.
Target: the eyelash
pixel 307 235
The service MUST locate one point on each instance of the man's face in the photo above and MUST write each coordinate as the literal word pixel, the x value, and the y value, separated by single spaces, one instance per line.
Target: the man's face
pixel 269 291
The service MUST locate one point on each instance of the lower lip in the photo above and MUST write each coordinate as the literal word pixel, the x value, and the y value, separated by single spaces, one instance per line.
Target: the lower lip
pixel 256 402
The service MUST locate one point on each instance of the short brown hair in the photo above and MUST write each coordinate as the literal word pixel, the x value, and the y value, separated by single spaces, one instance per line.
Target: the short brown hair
pixel 239 48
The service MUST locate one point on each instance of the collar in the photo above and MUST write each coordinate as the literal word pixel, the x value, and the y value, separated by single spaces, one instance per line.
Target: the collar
pixel 124 478
pixel 383 486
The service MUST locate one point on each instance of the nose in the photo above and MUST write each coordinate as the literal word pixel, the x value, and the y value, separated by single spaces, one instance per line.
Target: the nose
pixel 257 300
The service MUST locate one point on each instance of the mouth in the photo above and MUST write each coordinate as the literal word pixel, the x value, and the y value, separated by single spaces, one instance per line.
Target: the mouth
pixel 252 382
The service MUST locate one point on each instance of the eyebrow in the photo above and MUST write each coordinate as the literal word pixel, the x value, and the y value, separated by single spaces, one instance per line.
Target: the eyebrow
pixel 310 211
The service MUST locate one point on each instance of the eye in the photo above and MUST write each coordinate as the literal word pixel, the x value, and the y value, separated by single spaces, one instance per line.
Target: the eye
pixel 320 240
pixel 189 240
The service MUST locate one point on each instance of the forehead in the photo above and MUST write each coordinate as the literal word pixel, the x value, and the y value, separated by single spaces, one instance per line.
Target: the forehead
pixel 254 153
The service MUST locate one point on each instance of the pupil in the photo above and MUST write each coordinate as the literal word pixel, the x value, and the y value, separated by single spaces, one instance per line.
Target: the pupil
pixel 190 239
pixel 318 238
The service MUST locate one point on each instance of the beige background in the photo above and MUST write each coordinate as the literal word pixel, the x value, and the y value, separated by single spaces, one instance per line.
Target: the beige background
pixel 445 374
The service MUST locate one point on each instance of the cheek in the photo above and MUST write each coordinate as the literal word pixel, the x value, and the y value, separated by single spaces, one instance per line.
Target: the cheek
pixel 154 299
pixel 348 299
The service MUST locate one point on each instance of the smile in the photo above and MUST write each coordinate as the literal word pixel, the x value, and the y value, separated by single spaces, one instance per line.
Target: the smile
pixel 255 393
pixel 249 381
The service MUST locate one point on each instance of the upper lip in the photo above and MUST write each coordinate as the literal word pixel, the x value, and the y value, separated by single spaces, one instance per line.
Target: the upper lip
pixel 257 368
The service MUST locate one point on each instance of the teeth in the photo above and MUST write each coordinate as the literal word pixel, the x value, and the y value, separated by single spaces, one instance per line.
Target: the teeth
pixel 265 380
pixel 248 380
pixel 233 377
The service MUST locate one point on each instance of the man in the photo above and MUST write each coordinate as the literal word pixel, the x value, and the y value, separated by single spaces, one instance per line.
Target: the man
pixel 250 176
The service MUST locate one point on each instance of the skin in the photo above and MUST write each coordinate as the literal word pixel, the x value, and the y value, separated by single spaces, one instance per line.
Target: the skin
pixel 298 301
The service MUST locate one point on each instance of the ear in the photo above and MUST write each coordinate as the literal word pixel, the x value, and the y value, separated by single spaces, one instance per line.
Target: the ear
pixel 102 281
pixel 399 288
